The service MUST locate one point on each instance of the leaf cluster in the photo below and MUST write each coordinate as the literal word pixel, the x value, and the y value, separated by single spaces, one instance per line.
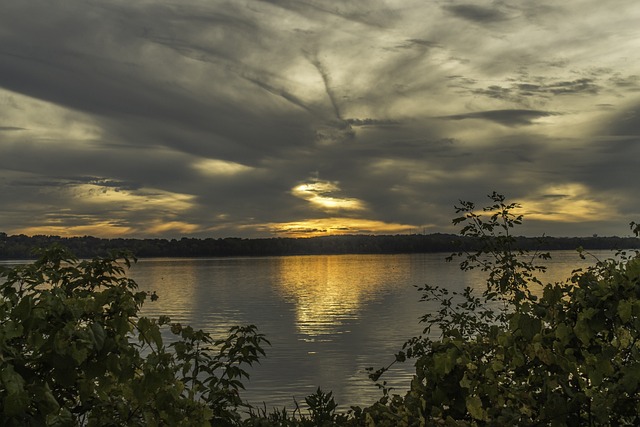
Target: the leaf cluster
pixel 523 352
pixel 74 351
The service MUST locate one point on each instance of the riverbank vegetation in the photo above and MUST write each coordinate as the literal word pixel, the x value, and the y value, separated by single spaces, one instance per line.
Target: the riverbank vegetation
pixel 74 350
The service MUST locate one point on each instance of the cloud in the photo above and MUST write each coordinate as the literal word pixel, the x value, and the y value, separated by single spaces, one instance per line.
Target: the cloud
pixel 626 122
pixel 504 117
pixel 566 203
pixel 219 167
pixel 209 118
pixel 322 194
pixel 476 13
pixel 372 122
pixel 336 226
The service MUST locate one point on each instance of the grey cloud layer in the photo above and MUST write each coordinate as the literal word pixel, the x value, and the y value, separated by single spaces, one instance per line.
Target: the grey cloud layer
pixel 209 113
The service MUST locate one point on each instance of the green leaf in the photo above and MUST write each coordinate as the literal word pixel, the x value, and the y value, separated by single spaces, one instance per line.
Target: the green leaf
pixel 15 404
pixel 46 402
pixel 10 330
pixel 445 362
pixel 563 333
pixel 583 331
pixel 16 399
pixel 474 406
pixel 625 310
pixel 529 326
pixel 630 378
pixel 11 380
pixel 99 335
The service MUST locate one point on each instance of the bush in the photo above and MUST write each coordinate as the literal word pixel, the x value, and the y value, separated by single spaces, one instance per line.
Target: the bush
pixel 565 355
pixel 73 351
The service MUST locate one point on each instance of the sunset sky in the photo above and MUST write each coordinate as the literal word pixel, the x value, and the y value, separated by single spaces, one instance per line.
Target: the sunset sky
pixel 207 118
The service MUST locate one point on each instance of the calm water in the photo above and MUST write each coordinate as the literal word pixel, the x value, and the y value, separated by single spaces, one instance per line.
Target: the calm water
pixel 327 317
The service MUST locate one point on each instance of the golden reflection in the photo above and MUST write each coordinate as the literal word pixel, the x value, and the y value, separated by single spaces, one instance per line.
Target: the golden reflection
pixel 192 292
pixel 329 290
pixel 173 280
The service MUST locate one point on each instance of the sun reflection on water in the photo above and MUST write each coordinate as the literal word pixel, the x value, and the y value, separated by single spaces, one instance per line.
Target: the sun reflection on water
pixel 329 290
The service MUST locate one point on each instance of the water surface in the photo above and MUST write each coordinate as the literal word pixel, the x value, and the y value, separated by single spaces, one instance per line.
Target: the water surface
pixel 328 317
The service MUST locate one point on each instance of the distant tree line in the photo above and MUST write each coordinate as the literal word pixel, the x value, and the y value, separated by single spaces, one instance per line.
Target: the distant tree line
pixel 22 246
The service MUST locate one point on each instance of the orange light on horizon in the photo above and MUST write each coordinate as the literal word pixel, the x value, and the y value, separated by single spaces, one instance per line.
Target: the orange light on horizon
pixel 337 226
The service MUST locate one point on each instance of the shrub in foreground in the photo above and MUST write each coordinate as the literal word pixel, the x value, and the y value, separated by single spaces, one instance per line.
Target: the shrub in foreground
pixel 74 351
pixel 520 352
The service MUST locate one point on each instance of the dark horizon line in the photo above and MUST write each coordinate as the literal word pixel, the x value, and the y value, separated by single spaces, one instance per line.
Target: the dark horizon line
pixel 88 236
pixel 24 247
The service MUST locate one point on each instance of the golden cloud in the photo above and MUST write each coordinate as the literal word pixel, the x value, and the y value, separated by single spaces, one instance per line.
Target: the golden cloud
pixel 337 226
pixel 319 193
pixel 219 167
pixel 99 228
pixel 569 202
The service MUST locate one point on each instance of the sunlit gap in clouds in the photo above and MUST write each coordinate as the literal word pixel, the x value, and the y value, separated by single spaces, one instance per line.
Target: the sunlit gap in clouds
pixel 337 226
pixel 220 167
pixel 325 196
pixel 161 209
pixel 568 202
pixel 318 193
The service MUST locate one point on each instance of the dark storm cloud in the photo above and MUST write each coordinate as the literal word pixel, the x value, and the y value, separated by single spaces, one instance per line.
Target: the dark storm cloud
pixel 418 44
pixel 116 88
pixel 504 117
pixel 475 13
pixel 372 122
pixel 519 92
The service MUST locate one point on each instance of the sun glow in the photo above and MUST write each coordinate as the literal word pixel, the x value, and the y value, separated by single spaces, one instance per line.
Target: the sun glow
pixel 318 194
pixel 96 228
pixel 159 212
pixel 219 167
pixel 566 203
pixel 133 200
pixel 337 226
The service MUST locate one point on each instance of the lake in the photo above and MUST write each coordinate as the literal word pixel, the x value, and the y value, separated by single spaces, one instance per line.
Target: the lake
pixel 327 317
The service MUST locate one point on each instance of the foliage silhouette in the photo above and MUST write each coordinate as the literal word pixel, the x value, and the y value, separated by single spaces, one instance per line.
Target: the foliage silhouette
pixel 564 354
pixel 75 352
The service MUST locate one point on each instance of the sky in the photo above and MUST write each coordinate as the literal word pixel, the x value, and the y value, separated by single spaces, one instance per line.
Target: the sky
pixel 283 118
